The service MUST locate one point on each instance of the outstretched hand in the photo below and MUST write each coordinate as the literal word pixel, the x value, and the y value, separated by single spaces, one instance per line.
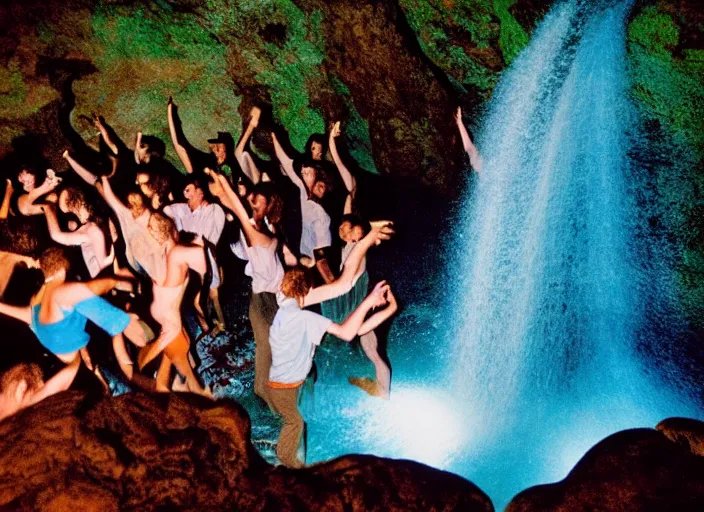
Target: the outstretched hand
pixel 382 230
pixel 458 114
pixel 335 129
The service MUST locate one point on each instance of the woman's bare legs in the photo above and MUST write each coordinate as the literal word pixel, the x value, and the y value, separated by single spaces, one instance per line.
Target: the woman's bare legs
pixel 382 386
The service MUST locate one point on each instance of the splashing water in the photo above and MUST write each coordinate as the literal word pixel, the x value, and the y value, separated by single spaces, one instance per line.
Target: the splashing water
pixel 555 291
pixel 561 292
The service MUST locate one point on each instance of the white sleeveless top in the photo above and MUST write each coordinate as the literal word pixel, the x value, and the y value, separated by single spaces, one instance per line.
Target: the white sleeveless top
pixel 264 265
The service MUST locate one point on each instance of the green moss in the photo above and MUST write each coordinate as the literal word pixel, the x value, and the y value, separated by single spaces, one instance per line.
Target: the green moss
pixel 12 87
pixel 667 87
pixel 513 37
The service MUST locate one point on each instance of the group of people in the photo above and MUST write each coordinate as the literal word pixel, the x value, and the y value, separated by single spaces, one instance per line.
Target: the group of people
pixel 152 240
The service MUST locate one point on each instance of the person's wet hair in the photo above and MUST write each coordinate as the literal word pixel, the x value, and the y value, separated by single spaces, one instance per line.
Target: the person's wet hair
pixel 52 261
pixel 155 146
pixel 296 283
pixel 76 199
pixel 356 221
pixel 27 372
pixel 320 139
pixel 165 225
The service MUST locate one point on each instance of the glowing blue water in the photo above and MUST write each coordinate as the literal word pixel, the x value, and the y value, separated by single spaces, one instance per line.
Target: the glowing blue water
pixel 559 289
pixel 556 296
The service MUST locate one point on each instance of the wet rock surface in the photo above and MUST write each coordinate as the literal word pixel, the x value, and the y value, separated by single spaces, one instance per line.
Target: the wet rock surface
pixel 146 452
pixel 637 469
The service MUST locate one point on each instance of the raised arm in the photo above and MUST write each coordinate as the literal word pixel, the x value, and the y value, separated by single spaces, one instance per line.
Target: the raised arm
pixel 380 317
pixel 59 382
pixel 21 313
pixel 475 160
pixel 345 174
pixel 344 283
pixel 230 199
pixel 180 149
pixel 350 327
pixel 105 133
pixel 287 163
pixel 5 208
pixel 82 172
pixel 26 202
pixel 77 237
pixel 245 160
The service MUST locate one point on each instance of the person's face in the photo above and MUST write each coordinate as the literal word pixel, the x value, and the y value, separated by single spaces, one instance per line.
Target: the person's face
pixel 144 184
pixel 316 151
pixel 259 206
pixel 192 194
pixel 308 174
pixel 350 234
pixel 319 189
pixel 27 180
pixel 220 152
pixel 143 155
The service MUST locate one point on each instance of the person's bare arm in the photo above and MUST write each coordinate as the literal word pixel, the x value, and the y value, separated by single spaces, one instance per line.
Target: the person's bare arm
pixel 352 324
pixel 380 317
pixel 345 174
pixel 289 258
pixel 254 115
pixel 98 123
pixel 77 237
pixel 287 163
pixel 5 208
pixel 475 159
pixel 108 194
pixel 59 382
pixel 231 200
pixel 344 283
pixel 123 358
pixel 21 313
pixel 26 202
pixel 180 149
pixel 82 172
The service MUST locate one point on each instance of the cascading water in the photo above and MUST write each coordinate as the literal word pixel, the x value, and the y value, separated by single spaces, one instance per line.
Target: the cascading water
pixel 563 297
pixel 555 296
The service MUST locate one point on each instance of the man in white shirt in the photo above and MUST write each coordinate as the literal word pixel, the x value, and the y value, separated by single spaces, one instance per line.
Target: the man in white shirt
pixel 293 337
pixel 207 220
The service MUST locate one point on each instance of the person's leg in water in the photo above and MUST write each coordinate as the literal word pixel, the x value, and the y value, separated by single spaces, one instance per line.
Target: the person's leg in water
pixel 261 319
pixel 163 374
pixel 177 353
pixel 382 386
pixel 285 403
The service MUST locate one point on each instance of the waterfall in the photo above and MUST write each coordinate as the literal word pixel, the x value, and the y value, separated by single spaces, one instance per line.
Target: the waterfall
pixel 553 297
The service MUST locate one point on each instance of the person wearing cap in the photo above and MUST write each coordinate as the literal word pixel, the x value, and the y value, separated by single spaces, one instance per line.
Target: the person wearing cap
pixel 222 151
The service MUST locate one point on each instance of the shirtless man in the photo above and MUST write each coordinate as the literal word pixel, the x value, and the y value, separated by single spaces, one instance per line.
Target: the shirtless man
pixel 59 318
